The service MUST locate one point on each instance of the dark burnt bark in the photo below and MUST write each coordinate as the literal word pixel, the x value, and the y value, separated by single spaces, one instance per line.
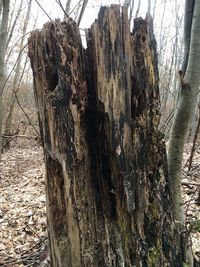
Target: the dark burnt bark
pixel 108 199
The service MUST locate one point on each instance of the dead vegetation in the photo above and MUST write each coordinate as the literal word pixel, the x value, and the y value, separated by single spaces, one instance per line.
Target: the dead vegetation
pixel 23 235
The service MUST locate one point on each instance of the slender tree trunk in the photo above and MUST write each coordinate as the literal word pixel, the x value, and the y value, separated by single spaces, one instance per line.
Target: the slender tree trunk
pixel 67 7
pixel 85 2
pixel 1 8
pixel 12 26
pixel 9 118
pixel 108 198
pixel 185 106
pixel 3 38
pixel 138 8
pixel 189 10
pixel 187 97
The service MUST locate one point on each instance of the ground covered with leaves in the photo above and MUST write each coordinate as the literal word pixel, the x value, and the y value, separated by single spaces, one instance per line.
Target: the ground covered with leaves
pixel 23 235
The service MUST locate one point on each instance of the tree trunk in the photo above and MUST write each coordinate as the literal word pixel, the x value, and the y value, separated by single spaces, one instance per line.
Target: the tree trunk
pixel 16 82
pixel 1 7
pixel 67 8
pixel 108 198
pixel 190 81
pixel 3 38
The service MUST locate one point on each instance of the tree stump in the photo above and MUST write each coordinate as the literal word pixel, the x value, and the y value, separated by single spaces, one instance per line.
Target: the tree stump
pixel 108 198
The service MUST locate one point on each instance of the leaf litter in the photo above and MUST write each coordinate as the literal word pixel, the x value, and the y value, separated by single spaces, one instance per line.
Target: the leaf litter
pixel 23 229
pixel 23 233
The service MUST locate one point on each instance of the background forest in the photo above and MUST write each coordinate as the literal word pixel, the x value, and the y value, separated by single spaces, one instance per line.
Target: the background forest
pixel 23 234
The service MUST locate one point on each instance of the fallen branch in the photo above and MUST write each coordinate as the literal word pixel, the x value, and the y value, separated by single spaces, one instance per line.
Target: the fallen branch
pixel 30 255
pixel 34 231
pixel 17 135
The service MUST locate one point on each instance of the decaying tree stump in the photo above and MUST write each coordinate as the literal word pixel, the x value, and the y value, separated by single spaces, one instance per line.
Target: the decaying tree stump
pixel 108 199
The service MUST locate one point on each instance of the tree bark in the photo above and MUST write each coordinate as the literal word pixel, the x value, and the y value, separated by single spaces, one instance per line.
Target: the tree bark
pixel 108 197
pixel 3 38
pixel 190 81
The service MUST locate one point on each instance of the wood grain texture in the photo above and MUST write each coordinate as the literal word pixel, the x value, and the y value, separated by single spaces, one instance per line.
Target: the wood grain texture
pixel 108 198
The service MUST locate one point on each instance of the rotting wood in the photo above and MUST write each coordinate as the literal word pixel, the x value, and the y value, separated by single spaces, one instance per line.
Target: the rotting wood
pixel 108 198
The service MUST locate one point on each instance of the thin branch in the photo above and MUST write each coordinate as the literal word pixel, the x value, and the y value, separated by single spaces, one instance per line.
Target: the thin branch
pixel 14 24
pixel 154 9
pixel 138 8
pixel 44 10
pixel 149 7
pixel 22 74
pixel 18 102
pixel 18 135
pixel 67 7
pixel 131 9
pixel 15 44
pixel 12 70
pixel 161 25
pixel 34 231
pixel 82 12
pixel 75 7
pixel 61 6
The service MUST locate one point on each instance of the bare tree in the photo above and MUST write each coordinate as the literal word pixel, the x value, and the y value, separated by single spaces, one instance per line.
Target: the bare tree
pixel 3 38
pixel 1 7
pixel 7 130
pixel 190 81
pixel 154 9
pixel 138 8
pixel 131 9
pixel 67 7
pixel 170 44
pixel 82 12
pixel 149 7
pixel 189 9
pixel 13 23
pixel 130 5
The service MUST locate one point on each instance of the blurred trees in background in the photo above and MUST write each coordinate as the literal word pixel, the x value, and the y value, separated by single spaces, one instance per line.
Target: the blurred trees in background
pixel 4 19
pixel 168 32
pixel 18 76
pixel 17 82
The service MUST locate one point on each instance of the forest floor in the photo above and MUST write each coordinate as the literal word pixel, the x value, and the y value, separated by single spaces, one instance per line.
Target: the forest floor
pixel 23 235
